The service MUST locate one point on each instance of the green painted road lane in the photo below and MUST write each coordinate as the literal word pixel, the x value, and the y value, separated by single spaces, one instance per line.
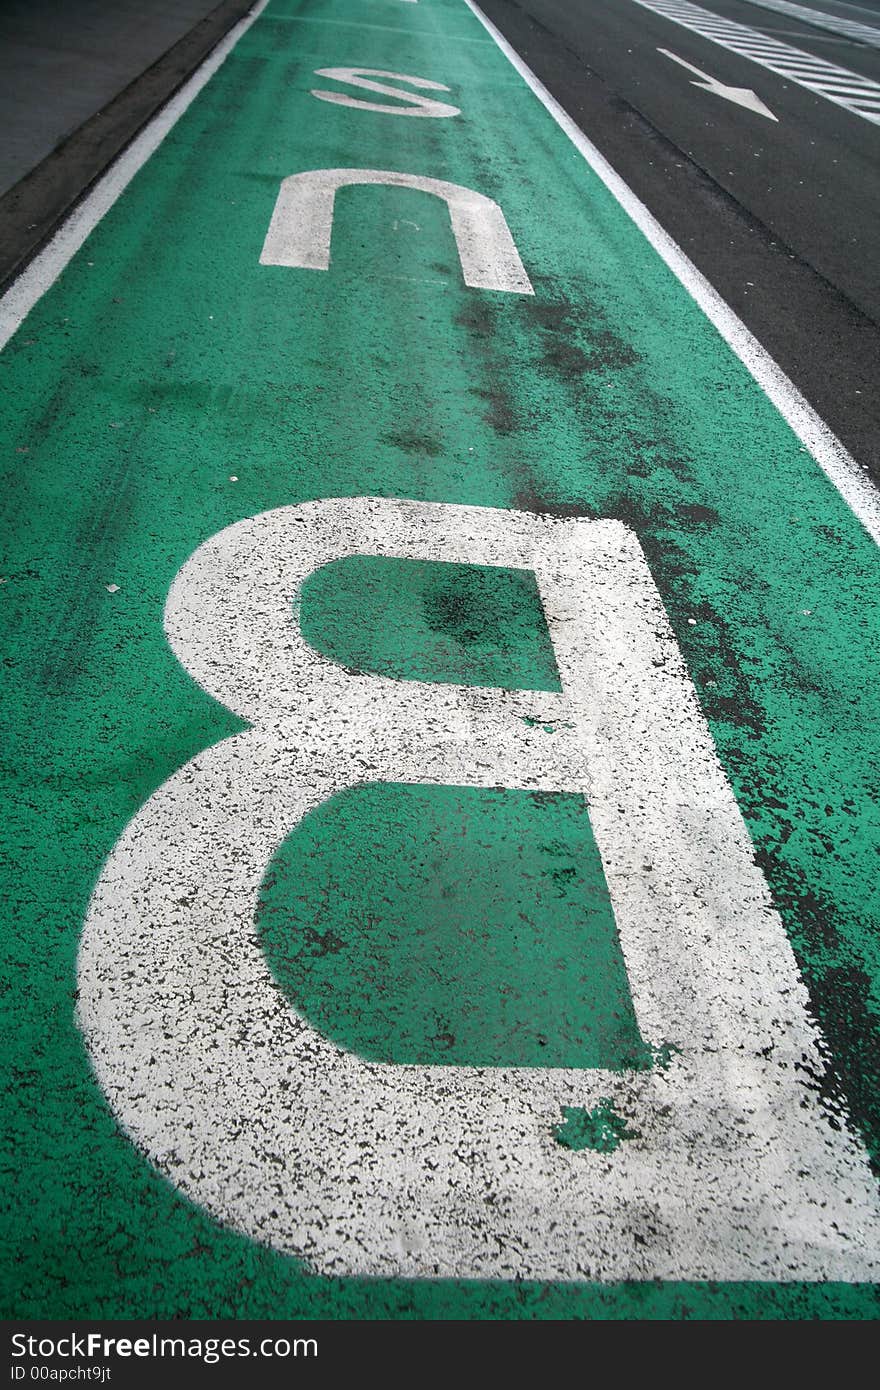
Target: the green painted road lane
pixel 169 386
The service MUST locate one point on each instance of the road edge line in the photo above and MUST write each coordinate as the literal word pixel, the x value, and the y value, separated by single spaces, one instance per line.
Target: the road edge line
pixel 821 443
pixel 45 268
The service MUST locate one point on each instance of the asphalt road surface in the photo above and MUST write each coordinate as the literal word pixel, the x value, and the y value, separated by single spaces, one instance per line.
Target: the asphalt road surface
pixel 782 216
pixel 63 62
pixel 78 81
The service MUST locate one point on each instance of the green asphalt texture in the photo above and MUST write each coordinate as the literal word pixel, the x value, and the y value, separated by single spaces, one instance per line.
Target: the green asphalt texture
pixel 167 361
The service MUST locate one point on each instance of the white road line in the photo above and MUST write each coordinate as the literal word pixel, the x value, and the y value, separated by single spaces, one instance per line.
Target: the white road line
pixel 862 9
pixel 846 28
pixel 808 69
pixel 45 268
pixel 836 463
pixel 847 85
pixel 803 68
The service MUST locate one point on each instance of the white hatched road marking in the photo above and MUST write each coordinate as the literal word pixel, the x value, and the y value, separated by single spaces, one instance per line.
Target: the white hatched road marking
pixel 833 24
pixel 860 95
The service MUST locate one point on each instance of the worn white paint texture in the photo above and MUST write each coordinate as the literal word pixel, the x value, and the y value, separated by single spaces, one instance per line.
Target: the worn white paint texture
pixel 368 1168
pixel 833 23
pixel 361 77
pixel 302 223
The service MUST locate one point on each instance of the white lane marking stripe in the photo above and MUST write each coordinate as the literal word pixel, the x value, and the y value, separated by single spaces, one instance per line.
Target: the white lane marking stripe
pixel 814 65
pixel 45 268
pixel 779 58
pixel 808 69
pixel 848 28
pixel 825 448
pixel 818 66
pixel 845 85
pixel 829 79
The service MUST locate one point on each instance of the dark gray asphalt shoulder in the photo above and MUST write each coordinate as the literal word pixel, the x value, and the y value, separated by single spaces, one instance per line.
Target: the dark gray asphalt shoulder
pixel 824 342
pixel 121 91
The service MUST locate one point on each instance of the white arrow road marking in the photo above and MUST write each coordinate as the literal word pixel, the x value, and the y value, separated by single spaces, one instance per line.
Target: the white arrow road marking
pixel 857 94
pixel 743 96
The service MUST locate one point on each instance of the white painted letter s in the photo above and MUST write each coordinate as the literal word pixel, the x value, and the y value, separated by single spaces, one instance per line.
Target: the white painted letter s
pixel 359 77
